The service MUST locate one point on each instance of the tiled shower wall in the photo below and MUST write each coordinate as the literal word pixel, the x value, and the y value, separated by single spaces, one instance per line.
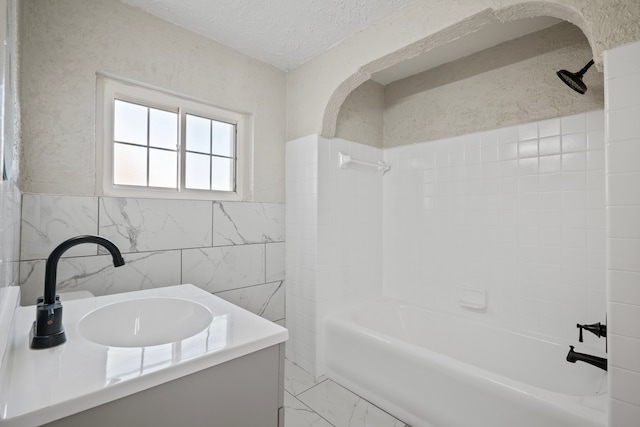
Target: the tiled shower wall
pixel 232 249
pixel 517 213
pixel 334 239
pixel 622 86
pixel 350 260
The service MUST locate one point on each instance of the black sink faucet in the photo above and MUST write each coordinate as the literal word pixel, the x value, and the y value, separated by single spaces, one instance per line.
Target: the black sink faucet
pixel 47 329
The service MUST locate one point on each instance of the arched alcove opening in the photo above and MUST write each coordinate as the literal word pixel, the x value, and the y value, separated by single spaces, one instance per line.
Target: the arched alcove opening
pixel 457 52
pixel 511 83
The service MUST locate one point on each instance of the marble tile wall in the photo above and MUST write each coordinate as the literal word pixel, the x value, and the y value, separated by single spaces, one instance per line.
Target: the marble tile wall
pixel 232 249
pixel 9 263
pixel 9 233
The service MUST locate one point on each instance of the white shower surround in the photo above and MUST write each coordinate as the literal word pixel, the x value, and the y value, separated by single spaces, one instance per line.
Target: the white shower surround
pixel 622 136
pixel 518 212
pixel 334 239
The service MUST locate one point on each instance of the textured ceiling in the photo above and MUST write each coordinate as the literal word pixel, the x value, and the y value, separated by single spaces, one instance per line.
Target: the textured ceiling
pixel 284 33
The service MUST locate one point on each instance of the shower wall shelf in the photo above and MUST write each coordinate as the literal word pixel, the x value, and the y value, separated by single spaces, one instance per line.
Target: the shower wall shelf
pixel 345 160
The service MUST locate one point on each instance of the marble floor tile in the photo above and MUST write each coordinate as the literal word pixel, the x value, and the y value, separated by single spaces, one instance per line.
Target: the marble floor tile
pixel 297 414
pixel 296 379
pixel 342 408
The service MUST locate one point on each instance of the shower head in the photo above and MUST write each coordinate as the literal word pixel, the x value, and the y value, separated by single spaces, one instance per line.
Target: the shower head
pixel 574 80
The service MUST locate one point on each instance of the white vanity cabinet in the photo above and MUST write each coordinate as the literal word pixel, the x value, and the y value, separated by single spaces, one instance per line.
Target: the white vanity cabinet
pixel 229 372
pixel 244 392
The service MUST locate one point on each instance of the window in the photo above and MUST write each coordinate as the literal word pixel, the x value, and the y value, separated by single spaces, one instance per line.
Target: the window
pixel 157 144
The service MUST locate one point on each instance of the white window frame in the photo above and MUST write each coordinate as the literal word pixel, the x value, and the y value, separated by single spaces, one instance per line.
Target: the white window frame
pixel 109 89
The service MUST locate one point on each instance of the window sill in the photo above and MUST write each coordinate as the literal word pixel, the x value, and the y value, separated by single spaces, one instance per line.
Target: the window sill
pixel 151 193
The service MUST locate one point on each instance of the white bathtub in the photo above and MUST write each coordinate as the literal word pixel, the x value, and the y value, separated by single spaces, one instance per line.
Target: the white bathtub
pixel 432 369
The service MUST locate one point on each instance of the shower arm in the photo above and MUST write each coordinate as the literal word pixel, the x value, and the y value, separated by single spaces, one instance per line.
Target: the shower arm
pixel 585 68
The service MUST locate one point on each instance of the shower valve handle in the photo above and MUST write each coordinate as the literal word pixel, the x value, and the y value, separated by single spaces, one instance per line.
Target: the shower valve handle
pixel 597 329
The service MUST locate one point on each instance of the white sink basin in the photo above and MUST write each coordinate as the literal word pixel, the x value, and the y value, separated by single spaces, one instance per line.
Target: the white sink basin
pixel 144 322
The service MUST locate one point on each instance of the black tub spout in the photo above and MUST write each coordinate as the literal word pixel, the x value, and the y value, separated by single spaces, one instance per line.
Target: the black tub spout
pixel 574 356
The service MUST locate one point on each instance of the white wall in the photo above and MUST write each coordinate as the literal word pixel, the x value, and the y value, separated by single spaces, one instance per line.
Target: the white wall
pixel 65 42
pixel 361 116
pixel 622 84
pixel 517 212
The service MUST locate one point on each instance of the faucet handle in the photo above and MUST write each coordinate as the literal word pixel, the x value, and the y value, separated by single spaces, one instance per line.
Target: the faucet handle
pixel 597 329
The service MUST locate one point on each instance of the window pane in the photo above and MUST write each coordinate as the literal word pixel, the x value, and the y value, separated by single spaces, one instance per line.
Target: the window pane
pixel 198 134
pixel 163 168
pixel 197 171
pixel 129 165
pixel 130 123
pixel 223 136
pixel 163 129
pixel 222 174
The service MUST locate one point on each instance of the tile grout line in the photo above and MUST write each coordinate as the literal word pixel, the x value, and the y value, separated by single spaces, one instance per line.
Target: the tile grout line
pixel 309 388
pixel 367 402
pixel 309 407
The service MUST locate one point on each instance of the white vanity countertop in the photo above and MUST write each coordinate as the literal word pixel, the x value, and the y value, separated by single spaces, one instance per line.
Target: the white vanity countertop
pixel 40 386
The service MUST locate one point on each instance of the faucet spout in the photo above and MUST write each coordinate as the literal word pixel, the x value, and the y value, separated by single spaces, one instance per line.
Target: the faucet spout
pixel 51 268
pixel 47 329
pixel 574 356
